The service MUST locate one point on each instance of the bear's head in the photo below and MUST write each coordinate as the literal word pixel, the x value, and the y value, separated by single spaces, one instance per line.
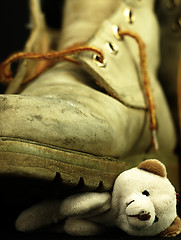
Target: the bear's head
pixel 144 201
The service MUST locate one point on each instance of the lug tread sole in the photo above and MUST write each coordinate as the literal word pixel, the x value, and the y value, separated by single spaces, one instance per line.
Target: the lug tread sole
pixel 29 159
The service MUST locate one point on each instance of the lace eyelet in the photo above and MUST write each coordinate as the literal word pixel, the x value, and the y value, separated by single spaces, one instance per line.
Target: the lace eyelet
pixel 116 34
pixel 128 13
pixel 171 4
pixel 176 26
pixel 112 48
pixel 96 59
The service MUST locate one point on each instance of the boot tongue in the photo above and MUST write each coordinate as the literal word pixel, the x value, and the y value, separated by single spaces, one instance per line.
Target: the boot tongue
pixel 82 18
pixel 120 74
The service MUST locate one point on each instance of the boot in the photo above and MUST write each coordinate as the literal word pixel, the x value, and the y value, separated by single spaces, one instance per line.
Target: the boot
pixel 169 15
pixel 65 124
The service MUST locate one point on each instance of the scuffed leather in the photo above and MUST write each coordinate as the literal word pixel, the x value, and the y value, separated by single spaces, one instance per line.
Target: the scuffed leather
pixel 121 75
pixel 62 108
pixel 66 113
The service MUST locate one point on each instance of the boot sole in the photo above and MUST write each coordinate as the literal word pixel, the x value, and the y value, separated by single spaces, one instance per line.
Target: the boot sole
pixel 34 161
pixel 27 159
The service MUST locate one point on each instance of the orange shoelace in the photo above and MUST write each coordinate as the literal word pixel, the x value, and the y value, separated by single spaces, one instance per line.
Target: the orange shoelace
pixel 68 55
pixel 5 67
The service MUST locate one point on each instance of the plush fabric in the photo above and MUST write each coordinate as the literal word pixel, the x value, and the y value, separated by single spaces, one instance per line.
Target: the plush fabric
pixel 143 203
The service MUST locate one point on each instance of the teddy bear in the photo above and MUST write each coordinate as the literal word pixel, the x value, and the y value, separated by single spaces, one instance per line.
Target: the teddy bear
pixel 142 203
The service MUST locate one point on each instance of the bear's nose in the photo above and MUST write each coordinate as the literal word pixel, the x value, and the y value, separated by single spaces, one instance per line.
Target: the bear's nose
pixel 142 216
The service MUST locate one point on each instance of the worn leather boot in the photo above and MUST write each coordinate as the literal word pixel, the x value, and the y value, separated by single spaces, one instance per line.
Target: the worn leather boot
pixel 82 122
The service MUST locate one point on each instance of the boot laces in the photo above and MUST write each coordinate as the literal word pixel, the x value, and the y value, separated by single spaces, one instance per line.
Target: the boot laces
pixel 70 55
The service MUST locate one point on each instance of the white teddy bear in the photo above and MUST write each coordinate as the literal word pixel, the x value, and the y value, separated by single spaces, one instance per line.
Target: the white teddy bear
pixel 143 203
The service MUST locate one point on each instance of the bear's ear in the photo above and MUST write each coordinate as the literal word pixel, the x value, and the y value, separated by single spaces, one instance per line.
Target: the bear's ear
pixel 173 230
pixel 153 166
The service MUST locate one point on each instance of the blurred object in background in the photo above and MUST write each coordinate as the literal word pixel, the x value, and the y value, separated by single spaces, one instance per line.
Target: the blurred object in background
pixel 169 16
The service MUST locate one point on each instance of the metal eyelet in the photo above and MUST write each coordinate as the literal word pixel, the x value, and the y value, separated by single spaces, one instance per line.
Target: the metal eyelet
pixel 116 31
pixel 96 59
pixel 171 4
pixel 128 13
pixel 112 48
pixel 176 26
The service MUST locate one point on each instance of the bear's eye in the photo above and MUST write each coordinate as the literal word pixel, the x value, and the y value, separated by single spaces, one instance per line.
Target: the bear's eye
pixel 156 219
pixel 146 193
